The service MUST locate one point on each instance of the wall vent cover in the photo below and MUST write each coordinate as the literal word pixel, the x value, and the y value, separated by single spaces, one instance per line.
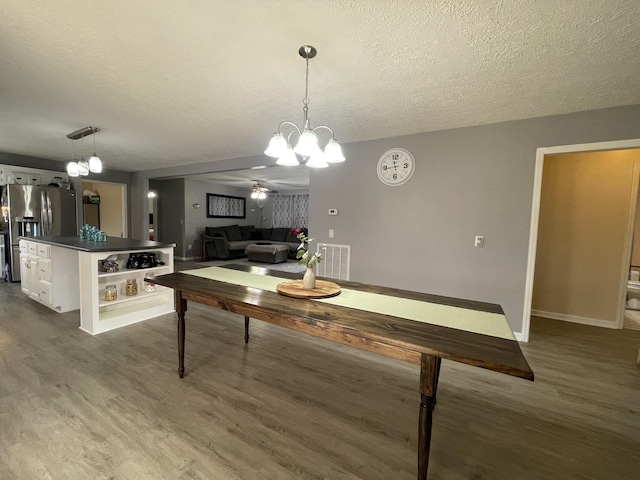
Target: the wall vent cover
pixel 336 263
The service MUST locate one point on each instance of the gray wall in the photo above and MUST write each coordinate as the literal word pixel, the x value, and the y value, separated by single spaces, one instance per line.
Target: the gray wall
pixel 470 181
pixel 196 219
pixel 170 214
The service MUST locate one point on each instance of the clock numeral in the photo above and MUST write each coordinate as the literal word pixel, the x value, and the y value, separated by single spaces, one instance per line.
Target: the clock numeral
pixel 384 167
pixel 405 165
pixel 395 156
pixel 395 176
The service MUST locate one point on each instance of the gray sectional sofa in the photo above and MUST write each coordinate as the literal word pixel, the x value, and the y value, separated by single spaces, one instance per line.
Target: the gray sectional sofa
pixel 231 241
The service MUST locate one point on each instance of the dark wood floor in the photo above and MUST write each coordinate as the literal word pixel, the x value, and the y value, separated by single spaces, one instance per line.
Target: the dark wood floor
pixel 288 406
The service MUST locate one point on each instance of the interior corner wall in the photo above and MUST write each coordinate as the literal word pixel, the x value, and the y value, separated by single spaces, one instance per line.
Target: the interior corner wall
pixel 635 249
pixel 110 206
pixel 584 217
pixel 171 214
pixel 196 218
pixel 469 181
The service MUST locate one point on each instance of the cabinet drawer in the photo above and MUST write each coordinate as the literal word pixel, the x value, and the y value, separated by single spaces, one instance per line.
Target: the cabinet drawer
pixel 44 292
pixel 24 246
pixel 44 269
pixel 33 248
pixel 43 250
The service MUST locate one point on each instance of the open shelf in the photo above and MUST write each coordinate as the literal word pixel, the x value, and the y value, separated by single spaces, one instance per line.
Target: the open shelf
pixel 160 302
pixel 98 315
pixel 142 294
pixel 132 271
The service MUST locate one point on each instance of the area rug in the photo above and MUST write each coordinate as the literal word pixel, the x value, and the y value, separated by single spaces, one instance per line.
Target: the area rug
pixel 289 266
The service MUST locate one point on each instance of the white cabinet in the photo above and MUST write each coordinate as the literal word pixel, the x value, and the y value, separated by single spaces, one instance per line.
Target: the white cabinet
pixel 50 275
pixel 29 279
pixel 99 315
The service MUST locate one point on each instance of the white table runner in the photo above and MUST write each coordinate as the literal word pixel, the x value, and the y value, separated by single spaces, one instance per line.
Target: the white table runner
pixel 485 323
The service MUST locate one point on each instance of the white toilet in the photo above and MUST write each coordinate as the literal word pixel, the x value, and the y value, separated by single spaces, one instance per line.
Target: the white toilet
pixel 633 291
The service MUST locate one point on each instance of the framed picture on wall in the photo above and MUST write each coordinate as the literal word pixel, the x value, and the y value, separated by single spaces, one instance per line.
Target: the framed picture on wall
pixel 225 206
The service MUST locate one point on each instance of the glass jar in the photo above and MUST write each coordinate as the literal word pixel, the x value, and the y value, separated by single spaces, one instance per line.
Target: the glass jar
pixel 110 293
pixel 131 288
pixel 149 287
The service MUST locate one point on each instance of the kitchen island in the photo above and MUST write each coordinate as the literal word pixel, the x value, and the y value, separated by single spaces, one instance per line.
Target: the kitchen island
pixel 66 273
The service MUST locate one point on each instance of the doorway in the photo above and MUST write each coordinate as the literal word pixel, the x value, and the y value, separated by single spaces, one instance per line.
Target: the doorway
pixel 109 209
pixel 622 274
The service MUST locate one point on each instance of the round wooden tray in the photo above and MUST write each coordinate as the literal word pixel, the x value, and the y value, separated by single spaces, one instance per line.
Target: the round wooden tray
pixel 293 288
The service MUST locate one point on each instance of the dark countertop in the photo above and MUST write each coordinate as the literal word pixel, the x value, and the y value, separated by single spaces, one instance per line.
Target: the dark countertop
pixel 113 244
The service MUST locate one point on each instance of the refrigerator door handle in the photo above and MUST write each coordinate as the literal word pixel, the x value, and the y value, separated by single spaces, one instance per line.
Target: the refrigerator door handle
pixel 45 213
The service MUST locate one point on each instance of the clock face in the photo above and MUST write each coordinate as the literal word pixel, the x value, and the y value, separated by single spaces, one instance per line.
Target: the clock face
pixel 396 166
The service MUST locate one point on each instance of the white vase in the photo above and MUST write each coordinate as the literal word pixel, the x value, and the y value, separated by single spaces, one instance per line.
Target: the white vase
pixel 309 279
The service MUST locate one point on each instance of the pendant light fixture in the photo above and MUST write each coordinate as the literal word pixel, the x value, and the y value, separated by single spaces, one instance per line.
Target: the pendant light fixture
pixel 83 167
pixel 72 166
pixel 307 147
pixel 95 164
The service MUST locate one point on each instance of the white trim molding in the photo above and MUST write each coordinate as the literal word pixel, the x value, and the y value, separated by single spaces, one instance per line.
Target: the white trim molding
pixel 533 229
pixel 594 322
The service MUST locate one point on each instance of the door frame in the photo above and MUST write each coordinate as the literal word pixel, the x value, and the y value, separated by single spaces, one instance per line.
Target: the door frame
pixel 535 216
pixel 124 195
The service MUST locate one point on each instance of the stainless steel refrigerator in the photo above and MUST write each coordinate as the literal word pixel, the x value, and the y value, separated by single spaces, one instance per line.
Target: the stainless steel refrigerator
pixel 33 211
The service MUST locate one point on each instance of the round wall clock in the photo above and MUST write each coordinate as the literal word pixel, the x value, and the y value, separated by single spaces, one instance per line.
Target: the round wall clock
pixel 396 166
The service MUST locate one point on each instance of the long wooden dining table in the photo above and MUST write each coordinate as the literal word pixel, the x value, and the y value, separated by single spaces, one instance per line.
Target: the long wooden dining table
pixel 413 327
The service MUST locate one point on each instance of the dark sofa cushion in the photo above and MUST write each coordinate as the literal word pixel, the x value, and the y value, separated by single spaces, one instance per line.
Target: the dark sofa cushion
pixel 266 233
pixel 292 236
pixel 246 231
pixel 279 234
pixel 233 233
pixel 215 232
pixel 256 235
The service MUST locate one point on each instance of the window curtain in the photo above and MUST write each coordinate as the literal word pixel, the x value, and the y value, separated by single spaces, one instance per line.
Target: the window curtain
pixel 291 211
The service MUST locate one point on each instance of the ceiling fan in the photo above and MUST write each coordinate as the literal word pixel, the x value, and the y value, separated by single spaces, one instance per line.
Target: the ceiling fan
pixel 260 191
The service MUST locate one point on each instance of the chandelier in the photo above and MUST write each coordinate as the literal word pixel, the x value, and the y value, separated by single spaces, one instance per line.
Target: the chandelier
pixel 307 147
pixel 83 167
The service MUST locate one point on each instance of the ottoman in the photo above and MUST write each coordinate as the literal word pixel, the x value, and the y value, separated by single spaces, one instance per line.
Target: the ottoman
pixel 267 253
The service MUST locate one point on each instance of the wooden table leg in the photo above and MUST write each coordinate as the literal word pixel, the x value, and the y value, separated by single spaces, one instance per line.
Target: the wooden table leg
pixel 246 329
pixel 181 308
pixel 429 372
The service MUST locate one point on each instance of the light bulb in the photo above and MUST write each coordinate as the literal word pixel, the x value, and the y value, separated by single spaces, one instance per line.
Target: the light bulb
pixel 307 144
pixel 95 164
pixel 277 146
pixel 72 169
pixel 333 152
pixel 83 167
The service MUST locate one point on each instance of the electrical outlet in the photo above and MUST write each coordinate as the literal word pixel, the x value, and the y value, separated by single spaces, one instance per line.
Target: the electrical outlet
pixel 479 241
pixel 331 232
pixel 189 247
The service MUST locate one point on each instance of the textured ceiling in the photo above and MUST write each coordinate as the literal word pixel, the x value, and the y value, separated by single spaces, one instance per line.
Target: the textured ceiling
pixel 272 177
pixel 173 83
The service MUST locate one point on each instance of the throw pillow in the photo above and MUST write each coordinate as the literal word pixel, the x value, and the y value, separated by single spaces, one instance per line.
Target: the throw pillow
pixel 246 231
pixel 279 234
pixel 215 232
pixel 233 233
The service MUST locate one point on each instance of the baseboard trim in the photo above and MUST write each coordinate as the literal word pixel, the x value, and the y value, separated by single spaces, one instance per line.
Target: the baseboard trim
pixel 594 322
pixel 185 259
pixel 519 337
